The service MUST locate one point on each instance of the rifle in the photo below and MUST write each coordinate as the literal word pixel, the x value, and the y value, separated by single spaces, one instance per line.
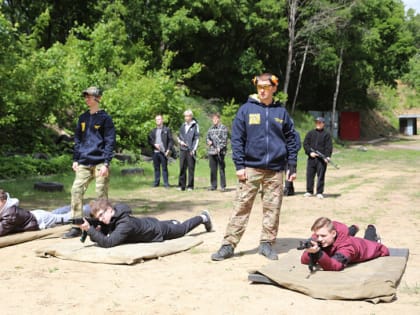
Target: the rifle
pixel 189 149
pixel 308 244
pixel 217 147
pixel 325 158
pixel 93 222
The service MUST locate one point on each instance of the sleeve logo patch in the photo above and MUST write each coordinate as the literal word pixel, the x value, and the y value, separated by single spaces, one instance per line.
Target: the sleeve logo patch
pixel 278 120
pixel 254 119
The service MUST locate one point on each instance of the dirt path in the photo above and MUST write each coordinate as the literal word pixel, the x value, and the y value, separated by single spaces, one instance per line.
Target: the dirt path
pixel 190 283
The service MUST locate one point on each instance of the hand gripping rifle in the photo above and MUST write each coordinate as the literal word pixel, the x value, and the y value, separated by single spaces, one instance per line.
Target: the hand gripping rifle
pixel 313 258
pixel 325 158
pixel 216 145
pixel 79 221
pixel 190 150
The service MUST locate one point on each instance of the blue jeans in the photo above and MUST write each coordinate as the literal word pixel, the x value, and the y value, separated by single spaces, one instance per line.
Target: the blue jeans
pixel 47 219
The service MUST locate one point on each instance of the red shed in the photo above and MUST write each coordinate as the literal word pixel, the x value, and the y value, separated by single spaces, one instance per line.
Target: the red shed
pixel 350 126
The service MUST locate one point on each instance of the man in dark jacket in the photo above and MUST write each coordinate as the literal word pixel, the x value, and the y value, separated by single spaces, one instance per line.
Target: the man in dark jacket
pixel 188 140
pixel 160 138
pixel 320 140
pixel 122 228
pixel 263 145
pixel 94 143
pixel 333 248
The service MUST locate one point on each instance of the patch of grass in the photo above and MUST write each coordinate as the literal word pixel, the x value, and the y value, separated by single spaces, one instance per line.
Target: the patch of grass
pixel 197 250
pixel 411 290
pixel 132 187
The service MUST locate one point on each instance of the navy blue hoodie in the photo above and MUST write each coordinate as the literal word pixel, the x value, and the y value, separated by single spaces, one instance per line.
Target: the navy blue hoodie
pixel 263 136
pixel 94 140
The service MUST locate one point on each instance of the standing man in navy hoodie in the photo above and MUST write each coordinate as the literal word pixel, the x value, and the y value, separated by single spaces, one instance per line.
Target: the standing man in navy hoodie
pixel 263 145
pixel 94 143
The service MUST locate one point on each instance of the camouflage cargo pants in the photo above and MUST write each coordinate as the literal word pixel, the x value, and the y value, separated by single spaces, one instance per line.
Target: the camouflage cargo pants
pixel 84 175
pixel 271 183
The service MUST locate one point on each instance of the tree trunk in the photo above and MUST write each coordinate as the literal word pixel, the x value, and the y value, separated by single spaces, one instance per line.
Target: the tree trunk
pixel 302 66
pixel 337 88
pixel 292 24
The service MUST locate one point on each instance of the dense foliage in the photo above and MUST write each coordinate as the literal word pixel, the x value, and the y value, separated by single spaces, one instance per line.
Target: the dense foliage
pixel 151 56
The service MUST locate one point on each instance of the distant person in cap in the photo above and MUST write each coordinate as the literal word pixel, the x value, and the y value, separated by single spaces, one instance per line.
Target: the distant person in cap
pixel 94 143
pixel 319 140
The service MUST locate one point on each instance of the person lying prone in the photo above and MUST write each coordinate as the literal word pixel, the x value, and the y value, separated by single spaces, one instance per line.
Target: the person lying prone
pixel 334 248
pixel 123 228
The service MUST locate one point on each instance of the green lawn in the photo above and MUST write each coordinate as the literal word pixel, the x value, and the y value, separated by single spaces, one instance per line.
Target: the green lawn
pixel 134 186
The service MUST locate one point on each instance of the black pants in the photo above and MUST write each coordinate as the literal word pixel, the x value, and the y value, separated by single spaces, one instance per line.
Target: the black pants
pixel 174 229
pixel 316 167
pixel 159 159
pixel 186 162
pixel 217 162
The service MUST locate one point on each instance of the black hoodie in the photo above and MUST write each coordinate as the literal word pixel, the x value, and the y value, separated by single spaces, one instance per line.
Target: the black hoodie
pixel 124 228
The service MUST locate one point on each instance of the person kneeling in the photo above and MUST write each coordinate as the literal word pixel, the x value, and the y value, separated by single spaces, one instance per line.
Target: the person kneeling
pixel 334 247
pixel 122 228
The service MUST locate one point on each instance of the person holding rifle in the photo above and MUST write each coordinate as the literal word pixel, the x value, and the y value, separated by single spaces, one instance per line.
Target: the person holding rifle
pixel 317 139
pixel 216 148
pixel 121 227
pixel 188 142
pixel 334 246
pixel 160 138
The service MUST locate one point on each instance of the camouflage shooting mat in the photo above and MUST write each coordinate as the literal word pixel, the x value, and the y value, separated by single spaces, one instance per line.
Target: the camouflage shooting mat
pixel 373 281
pixel 17 238
pixel 127 254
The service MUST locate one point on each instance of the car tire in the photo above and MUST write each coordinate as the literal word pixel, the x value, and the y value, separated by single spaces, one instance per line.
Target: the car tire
pixel 132 171
pixel 48 186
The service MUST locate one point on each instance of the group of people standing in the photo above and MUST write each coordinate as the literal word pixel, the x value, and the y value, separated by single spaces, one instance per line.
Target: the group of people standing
pixel 265 146
pixel 162 142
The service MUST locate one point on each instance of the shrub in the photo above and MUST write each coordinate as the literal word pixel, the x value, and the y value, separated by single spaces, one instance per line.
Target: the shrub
pixel 25 166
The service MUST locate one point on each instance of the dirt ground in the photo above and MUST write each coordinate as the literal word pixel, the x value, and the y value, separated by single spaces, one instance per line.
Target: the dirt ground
pixel 190 283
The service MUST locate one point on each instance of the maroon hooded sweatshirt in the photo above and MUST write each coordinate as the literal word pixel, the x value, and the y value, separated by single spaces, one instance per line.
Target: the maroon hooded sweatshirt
pixel 346 250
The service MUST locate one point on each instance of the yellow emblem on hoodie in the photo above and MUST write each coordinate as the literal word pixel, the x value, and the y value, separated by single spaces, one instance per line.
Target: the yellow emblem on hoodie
pixel 254 119
pixel 83 125
pixel 97 127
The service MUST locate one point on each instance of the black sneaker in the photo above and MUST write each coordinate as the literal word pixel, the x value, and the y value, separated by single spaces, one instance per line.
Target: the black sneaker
pixel 266 250
pixel 208 225
pixel 370 234
pixel 353 229
pixel 74 232
pixel 226 251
